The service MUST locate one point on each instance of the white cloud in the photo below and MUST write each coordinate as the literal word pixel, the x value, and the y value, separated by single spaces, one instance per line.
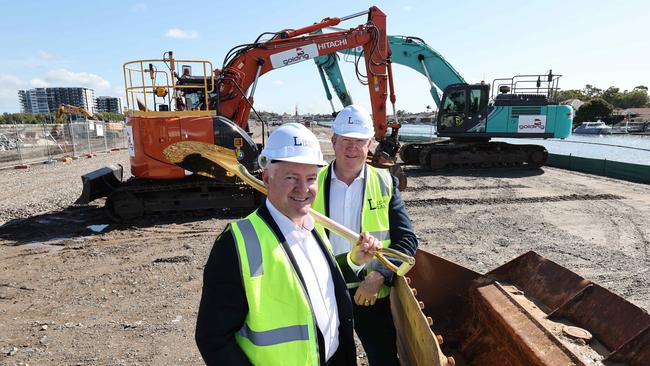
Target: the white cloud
pixel 11 80
pixel 63 77
pixel 182 34
pixel 46 56
pixel 139 7
pixel 9 86
pixel 118 91
pixel 38 83
pixel 278 82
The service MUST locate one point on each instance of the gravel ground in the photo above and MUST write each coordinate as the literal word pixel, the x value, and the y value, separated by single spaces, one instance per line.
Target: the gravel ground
pixel 129 295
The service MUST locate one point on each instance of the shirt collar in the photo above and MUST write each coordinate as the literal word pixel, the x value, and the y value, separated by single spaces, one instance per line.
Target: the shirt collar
pixel 361 176
pixel 285 224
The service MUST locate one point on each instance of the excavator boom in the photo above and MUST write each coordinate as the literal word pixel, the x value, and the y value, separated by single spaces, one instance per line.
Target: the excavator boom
pixel 242 71
pixel 70 109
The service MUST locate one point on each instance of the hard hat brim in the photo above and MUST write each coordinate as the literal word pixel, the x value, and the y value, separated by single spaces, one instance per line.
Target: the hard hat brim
pixel 355 135
pixel 303 160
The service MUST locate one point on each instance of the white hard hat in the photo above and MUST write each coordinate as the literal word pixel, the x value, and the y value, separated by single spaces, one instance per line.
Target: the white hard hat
pixel 355 122
pixel 292 142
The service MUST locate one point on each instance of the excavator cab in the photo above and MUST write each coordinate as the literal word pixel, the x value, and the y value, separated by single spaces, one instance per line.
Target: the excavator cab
pixel 165 108
pixel 464 109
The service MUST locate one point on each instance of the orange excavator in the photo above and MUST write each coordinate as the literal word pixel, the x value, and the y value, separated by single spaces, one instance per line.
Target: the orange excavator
pixel 166 106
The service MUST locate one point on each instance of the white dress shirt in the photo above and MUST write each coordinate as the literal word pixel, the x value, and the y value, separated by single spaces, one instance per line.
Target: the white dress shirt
pixel 316 273
pixel 345 208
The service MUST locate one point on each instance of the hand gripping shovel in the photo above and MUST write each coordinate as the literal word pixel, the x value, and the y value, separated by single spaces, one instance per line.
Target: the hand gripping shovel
pixel 226 158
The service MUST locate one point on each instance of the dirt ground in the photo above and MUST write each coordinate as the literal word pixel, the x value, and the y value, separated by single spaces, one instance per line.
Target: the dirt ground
pixel 129 294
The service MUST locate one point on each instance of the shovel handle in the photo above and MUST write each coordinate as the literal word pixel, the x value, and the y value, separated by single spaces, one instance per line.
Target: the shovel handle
pixel 407 261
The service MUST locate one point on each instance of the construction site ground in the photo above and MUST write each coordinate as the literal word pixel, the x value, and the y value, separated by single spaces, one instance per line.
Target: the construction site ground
pixel 127 294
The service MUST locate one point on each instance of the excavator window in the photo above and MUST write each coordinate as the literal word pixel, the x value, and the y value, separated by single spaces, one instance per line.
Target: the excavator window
pixel 475 101
pixel 453 108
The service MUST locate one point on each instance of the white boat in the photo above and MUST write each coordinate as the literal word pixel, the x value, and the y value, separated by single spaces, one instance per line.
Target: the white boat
pixel 593 128
pixel 633 126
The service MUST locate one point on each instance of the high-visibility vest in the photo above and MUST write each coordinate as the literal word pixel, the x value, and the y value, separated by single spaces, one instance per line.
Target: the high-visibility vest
pixel 377 194
pixel 280 327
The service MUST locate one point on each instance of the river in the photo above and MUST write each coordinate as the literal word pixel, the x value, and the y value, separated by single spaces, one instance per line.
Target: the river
pixel 633 149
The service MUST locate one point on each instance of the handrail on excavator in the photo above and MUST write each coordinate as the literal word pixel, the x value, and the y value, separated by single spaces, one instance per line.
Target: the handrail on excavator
pixel 141 80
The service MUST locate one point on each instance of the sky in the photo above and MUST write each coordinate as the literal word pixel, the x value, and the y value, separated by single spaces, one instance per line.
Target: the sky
pixel 85 43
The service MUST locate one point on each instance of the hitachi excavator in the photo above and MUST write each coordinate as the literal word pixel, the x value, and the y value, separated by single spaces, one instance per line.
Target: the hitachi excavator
pixel 526 107
pixel 168 104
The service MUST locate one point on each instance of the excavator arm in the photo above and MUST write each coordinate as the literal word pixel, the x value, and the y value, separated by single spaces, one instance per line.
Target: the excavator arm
pixel 244 66
pixel 411 52
pixel 70 109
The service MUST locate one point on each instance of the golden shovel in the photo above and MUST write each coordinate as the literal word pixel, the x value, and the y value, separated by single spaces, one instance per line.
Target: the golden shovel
pixel 226 158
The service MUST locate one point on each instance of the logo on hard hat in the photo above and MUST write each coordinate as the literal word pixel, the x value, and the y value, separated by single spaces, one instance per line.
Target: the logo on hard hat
pixel 297 141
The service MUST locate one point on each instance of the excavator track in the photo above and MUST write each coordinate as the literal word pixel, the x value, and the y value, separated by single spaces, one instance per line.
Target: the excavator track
pixel 484 154
pixel 138 198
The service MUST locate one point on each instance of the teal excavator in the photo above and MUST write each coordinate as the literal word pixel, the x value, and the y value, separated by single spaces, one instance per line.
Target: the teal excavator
pixel 468 115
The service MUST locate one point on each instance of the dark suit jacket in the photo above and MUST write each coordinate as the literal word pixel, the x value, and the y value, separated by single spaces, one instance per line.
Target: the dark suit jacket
pixel 402 236
pixel 224 307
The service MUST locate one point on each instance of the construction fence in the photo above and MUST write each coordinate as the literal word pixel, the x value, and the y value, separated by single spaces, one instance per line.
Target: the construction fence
pixel 34 143
pixel 606 168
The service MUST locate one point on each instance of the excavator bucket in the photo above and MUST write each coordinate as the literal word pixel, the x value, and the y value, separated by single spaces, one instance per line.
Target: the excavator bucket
pixel 100 183
pixel 530 311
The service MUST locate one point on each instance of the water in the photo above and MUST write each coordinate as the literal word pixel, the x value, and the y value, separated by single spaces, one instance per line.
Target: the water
pixel 633 149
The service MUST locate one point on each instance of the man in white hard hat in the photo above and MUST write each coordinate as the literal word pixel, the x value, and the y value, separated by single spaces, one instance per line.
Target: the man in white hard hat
pixel 365 198
pixel 273 293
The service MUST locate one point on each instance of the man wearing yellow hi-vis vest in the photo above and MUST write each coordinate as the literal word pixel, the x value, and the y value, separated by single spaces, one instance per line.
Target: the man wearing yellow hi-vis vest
pixel 273 292
pixel 365 198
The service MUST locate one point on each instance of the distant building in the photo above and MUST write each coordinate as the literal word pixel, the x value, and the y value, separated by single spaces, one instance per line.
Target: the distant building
pixel 575 103
pixel 109 104
pixel 47 100
pixel 634 114
pixel 33 101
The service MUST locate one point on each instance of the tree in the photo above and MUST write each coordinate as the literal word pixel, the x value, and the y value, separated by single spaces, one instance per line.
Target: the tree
pixel 107 116
pixel 565 95
pixel 596 108
pixel 613 96
pixel 641 87
pixel 591 91
pixel 637 98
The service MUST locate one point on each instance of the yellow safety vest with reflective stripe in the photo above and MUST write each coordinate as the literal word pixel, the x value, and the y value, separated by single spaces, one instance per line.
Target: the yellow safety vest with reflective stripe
pixel 280 327
pixel 377 194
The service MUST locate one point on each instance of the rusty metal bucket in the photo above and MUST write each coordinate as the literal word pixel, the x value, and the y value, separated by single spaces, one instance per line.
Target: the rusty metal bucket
pixel 530 311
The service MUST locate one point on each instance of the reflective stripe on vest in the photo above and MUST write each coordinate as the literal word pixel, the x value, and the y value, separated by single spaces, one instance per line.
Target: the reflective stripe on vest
pixel 280 328
pixel 275 336
pixel 253 248
pixel 378 191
